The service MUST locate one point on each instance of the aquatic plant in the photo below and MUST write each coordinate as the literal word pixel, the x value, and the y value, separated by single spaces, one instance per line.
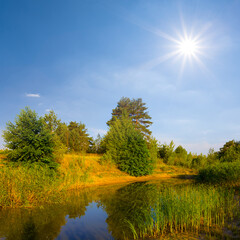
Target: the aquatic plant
pixel 179 209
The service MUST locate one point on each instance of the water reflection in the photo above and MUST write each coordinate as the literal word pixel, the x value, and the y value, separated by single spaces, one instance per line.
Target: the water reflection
pixel 129 209
pixel 99 213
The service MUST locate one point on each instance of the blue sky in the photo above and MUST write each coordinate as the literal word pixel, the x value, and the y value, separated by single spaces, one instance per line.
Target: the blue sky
pixel 80 57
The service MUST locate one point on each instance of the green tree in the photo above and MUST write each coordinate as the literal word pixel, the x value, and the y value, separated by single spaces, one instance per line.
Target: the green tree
pixel 152 145
pixel 212 156
pixel 199 161
pixel 97 145
pixel 166 152
pixel 230 152
pixel 79 139
pixel 63 134
pixel 181 156
pixel 52 123
pixel 127 148
pixel 136 110
pixel 28 139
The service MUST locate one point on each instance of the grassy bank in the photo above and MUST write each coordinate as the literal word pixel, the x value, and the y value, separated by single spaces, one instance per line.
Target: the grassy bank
pixel 24 186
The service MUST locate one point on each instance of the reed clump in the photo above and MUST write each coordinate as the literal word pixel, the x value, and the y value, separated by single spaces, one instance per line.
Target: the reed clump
pixel 187 209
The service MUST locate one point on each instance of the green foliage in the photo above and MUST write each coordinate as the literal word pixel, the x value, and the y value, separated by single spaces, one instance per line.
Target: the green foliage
pixel 152 145
pixel 199 161
pixel 212 157
pixel 78 137
pixel 181 156
pixel 127 148
pixel 97 145
pixel 52 123
pixel 28 139
pixel 220 173
pixel 166 152
pixel 136 110
pixel 230 152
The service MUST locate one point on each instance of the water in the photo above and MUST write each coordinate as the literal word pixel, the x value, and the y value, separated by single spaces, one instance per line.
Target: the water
pixel 93 213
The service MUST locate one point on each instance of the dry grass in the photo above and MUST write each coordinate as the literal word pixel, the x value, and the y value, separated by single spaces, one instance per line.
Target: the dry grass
pixel 24 186
pixel 107 173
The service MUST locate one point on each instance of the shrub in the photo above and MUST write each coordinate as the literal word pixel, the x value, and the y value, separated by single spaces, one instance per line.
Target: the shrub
pixel 221 172
pixel 127 148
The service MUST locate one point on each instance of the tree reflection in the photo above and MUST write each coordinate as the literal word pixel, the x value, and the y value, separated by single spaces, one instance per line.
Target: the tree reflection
pixel 129 210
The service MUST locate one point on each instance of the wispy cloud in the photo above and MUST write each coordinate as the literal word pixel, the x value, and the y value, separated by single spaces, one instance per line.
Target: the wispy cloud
pixel 33 95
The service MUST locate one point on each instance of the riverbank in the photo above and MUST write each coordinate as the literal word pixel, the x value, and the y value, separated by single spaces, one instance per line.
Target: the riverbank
pixel 24 186
pixel 104 173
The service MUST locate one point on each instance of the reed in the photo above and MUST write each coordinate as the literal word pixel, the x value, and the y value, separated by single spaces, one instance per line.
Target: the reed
pixel 23 185
pixel 27 186
pixel 187 209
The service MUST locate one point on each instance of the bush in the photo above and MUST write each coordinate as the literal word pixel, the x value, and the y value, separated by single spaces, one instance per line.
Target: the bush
pixel 28 139
pixel 134 156
pixel 220 173
pixel 127 148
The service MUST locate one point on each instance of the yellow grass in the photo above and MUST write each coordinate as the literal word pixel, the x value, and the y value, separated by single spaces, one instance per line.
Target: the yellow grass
pixel 98 174
pixel 23 186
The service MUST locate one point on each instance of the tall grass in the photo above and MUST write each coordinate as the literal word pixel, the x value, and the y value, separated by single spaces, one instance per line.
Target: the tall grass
pixel 34 185
pixel 228 172
pixel 186 209
pixel 75 171
pixel 28 186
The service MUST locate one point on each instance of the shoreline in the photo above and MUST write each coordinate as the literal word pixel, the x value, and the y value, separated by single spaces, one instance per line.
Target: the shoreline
pixel 129 179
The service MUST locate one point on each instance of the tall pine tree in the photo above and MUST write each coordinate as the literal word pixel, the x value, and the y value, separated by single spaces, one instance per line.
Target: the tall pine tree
pixel 136 110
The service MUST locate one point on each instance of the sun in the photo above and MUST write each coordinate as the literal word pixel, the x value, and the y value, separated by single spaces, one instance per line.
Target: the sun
pixel 188 47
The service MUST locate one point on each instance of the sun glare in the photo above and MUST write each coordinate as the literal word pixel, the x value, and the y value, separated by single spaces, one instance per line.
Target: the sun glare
pixel 188 47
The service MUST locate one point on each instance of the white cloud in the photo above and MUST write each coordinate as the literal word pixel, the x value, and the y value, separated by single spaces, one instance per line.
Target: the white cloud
pixel 34 95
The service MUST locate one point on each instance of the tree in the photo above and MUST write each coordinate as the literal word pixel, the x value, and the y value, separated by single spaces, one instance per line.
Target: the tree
pixel 127 148
pixel 78 137
pixel 230 152
pixel 63 134
pixel 28 139
pixel 52 123
pixel 181 156
pixel 166 152
pixel 97 145
pixel 136 110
